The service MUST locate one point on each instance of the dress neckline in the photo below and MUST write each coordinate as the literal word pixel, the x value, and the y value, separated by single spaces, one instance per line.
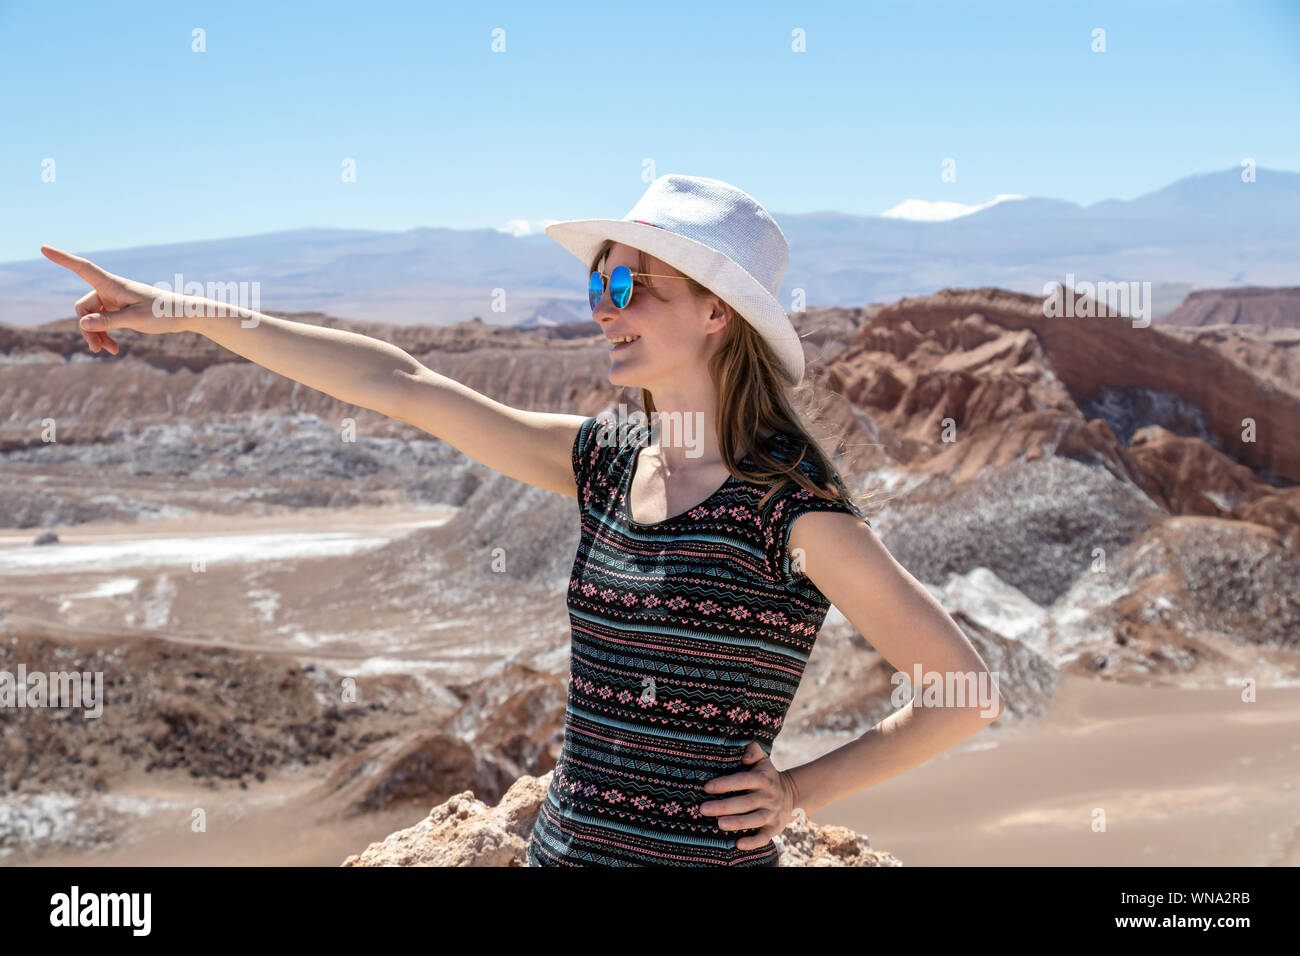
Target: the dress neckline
pixel 625 494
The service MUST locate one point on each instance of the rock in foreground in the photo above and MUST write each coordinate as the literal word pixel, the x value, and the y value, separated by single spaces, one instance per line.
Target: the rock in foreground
pixel 465 831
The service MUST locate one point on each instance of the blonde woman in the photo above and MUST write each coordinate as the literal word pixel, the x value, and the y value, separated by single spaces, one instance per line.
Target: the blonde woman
pixel 695 595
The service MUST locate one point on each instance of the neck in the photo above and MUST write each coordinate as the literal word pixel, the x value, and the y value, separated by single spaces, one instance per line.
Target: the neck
pixel 685 429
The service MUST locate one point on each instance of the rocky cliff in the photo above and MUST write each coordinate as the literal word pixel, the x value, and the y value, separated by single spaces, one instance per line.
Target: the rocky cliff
pixel 1275 307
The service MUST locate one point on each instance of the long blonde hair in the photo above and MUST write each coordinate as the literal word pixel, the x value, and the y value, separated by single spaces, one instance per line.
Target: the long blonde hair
pixel 754 400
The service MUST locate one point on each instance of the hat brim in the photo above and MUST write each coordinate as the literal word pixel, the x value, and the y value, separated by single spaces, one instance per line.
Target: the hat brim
pixel 721 275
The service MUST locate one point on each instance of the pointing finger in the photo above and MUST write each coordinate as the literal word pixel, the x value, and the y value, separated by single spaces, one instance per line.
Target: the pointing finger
pixel 82 267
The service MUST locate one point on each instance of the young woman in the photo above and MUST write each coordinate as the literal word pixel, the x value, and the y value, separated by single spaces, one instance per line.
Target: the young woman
pixel 695 596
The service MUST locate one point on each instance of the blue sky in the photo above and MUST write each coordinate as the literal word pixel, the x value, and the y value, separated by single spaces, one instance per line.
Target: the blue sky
pixel 154 143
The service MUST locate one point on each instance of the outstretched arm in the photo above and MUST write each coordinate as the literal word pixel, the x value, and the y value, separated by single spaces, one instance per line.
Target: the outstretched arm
pixel 534 447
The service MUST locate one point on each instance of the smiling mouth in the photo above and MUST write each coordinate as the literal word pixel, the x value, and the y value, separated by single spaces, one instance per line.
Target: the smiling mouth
pixel 623 345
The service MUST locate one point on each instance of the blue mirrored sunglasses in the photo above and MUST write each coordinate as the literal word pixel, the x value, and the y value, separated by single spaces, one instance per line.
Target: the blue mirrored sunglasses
pixel 620 286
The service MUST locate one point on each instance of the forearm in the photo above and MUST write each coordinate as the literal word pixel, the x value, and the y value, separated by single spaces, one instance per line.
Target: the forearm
pixel 906 738
pixel 351 367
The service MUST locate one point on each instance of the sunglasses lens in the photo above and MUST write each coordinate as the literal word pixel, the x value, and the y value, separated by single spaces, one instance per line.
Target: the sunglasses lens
pixel 595 289
pixel 620 286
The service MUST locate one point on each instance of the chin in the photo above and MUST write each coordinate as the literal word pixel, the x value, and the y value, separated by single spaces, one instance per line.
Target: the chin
pixel 623 379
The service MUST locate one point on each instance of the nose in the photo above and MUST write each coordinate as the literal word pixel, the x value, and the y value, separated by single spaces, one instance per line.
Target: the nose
pixel 605 309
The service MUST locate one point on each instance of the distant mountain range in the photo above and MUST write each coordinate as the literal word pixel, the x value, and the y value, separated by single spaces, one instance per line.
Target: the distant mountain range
pixel 1210 230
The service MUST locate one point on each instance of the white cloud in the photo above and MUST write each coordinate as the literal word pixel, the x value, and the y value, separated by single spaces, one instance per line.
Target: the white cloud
pixel 924 210
pixel 526 227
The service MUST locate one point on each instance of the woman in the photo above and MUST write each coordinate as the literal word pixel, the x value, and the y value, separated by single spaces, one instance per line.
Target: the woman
pixel 695 596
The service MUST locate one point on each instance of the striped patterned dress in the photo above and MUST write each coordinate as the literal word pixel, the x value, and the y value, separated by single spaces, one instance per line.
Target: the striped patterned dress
pixel 690 636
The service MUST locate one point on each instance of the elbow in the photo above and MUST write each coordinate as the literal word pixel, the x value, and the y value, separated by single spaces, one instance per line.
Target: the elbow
pixel 393 392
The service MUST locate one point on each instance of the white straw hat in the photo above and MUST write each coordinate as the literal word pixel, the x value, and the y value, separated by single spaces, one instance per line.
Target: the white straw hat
pixel 716 234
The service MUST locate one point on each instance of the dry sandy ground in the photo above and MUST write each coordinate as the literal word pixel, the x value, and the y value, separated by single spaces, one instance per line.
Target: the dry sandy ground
pixel 258 592
pixel 269 824
pixel 1186 778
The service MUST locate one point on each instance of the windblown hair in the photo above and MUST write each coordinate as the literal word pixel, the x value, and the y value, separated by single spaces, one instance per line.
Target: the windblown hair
pixel 755 402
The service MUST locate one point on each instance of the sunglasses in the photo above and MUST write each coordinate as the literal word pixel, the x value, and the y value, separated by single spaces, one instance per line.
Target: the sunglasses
pixel 620 286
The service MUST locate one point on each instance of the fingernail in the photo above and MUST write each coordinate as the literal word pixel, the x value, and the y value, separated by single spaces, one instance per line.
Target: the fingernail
pixel 88 321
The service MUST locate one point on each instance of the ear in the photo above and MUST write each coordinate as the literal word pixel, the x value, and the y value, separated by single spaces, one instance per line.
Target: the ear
pixel 720 313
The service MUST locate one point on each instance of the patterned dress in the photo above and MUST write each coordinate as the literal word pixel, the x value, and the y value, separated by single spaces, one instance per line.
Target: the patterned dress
pixel 690 636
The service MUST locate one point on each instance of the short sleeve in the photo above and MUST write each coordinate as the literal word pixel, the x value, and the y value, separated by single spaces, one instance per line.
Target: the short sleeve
pixel 792 503
pixel 591 450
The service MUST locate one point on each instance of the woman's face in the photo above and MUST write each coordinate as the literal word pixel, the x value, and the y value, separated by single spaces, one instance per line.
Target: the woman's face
pixel 673 333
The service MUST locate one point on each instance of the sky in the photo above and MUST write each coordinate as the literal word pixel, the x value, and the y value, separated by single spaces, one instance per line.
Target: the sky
pixel 115 132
